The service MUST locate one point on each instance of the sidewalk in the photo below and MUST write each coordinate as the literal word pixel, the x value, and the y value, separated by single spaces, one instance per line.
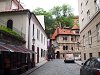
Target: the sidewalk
pixel 36 67
pixel 79 62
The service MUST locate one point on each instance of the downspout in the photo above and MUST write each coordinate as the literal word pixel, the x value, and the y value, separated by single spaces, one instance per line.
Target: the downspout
pixel 29 30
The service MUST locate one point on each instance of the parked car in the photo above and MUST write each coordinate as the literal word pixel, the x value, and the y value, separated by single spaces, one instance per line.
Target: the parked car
pixel 91 67
pixel 69 58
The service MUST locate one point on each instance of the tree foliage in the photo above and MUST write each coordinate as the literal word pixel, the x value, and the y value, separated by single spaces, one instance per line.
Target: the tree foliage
pixel 63 17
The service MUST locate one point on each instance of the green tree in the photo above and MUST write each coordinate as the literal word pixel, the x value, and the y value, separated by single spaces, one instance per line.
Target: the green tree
pixel 66 10
pixel 48 19
pixel 56 10
pixel 63 17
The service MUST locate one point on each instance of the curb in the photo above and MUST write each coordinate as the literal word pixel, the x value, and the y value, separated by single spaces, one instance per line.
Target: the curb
pixel 33 69
pixel 78 64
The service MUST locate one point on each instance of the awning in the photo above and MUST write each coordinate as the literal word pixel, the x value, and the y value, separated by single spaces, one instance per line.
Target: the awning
pixel 3 48
pixel 13 48
pixel 26 50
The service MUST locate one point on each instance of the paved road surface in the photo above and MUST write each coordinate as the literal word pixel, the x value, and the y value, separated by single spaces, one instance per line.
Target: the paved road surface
pixel 57 67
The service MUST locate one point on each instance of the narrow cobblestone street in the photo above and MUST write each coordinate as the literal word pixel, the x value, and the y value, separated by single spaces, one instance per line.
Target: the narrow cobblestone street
pixel 57 67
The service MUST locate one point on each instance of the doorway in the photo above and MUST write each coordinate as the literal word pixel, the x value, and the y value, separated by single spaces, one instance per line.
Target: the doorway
pixel 58 55
pixel 37 54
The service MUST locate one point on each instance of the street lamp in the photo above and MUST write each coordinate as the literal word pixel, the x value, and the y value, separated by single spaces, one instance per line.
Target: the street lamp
pixel 33 40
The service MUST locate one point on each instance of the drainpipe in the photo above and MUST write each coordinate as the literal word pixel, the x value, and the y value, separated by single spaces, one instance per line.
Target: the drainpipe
pixel 29 30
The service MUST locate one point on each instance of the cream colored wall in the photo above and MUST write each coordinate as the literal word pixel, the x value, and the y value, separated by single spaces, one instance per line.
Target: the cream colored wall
pixel 20 23
pixel 85 7
pixel 5 5
pixel 68 43
pixel 95 47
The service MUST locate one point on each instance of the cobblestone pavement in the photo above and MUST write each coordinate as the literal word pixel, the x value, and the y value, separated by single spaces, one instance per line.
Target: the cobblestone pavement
pixel 57 67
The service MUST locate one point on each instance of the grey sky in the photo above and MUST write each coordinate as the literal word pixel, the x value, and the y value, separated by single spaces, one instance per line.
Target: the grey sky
pixel 48 4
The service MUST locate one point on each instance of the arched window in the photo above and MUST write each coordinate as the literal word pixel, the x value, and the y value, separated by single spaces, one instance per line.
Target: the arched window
pixel 63 47
pixel 10 24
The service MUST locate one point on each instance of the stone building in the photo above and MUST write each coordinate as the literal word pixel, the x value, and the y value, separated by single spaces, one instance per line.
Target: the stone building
pixel 65 41
pixel 89 20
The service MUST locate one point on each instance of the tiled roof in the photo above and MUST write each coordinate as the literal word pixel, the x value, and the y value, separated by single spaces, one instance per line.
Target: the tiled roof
pixel 60 31
pixel 13 48
pixel 63 31
pixel 75 27
pixel 3 48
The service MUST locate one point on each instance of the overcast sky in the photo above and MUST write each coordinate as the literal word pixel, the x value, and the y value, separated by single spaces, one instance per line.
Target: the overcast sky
pixel 48 4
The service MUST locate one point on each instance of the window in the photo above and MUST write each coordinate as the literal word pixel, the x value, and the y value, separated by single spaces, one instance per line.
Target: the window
pixel 77 32
pixel 37 34
pixel 64 38
pixel 81 8
pixel 98 31
pixel 90 54
pixel 65 47
pixel 81 11
pixel 84 56
pixel 41 52
pixel 41 38
pixel 44 52
pixel 98 54
pixel 88 15
pixel 82 21
pixel 72 48
pixel 33 29
pixel 86 2
pixel 89 37
pixel 97 4
pixel 71 39
pixel 10 24
pixel 84 40
pixel 44 40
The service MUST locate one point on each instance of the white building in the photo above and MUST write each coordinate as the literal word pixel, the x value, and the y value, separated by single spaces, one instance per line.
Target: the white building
pixel 27 25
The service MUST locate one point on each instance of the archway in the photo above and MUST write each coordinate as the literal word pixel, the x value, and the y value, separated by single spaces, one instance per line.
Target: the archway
pixel 58 55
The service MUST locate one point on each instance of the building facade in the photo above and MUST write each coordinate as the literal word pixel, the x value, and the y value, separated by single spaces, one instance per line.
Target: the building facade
pixel 27 25
pixel 89 20
pixel 10 5
pixel 65 41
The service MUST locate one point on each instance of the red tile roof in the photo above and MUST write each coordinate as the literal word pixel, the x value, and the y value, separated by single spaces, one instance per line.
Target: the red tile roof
pixel 75 27
pixel 60 31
